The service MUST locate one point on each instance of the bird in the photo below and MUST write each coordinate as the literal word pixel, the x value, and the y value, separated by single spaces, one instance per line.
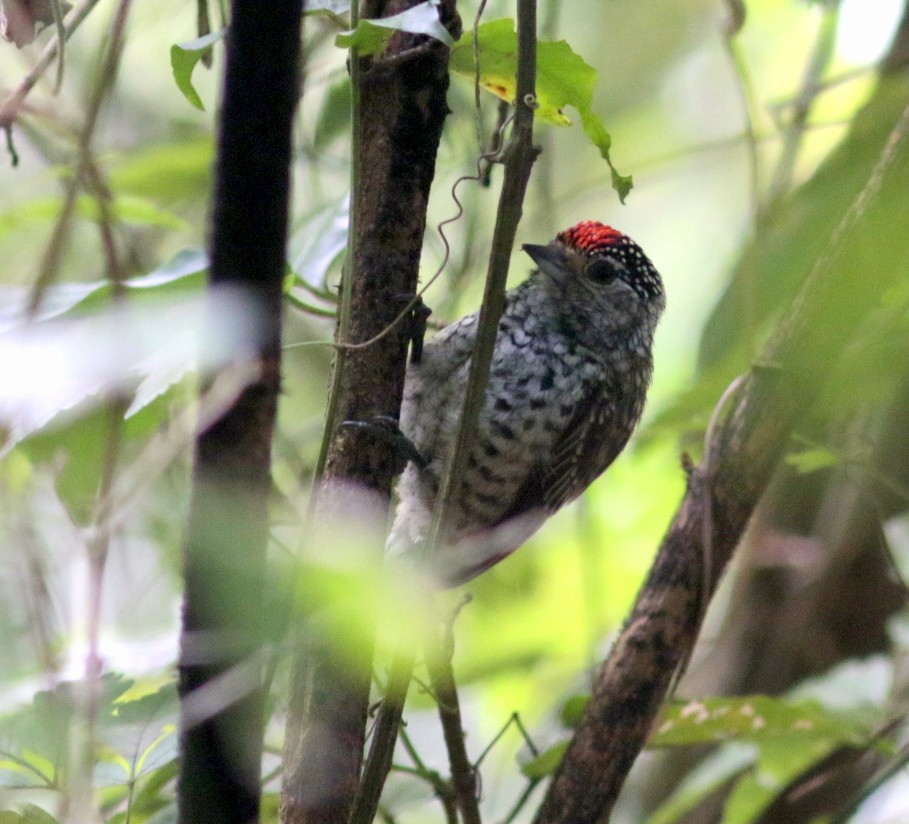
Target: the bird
pixel 570 371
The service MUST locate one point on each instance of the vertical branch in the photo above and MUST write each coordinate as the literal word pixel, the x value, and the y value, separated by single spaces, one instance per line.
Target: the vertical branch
pixel 227 534
pixel 399 111
pixel 519 155
pixel 441 675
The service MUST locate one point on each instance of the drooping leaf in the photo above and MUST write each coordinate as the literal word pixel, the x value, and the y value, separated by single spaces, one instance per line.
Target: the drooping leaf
pixel 563 79
pixel 183 60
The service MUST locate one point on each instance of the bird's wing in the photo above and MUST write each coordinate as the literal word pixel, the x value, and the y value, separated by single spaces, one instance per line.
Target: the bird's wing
pixel 586 446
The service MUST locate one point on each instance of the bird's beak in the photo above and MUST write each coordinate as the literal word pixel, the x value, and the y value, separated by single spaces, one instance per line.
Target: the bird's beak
pixel 543 255
pixel 551 259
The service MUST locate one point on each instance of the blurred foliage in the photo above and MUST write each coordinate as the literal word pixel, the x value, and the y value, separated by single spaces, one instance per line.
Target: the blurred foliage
pixel 700 121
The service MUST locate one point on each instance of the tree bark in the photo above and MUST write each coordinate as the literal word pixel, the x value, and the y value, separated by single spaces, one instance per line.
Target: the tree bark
pixel 403 108
pixel 224 554
pixel 838 296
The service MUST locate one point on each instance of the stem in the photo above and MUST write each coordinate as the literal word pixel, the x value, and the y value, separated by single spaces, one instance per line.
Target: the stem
pixel 107 73
pixel 519 157
pixel 463 773
pixel 383 740
pixel 9 110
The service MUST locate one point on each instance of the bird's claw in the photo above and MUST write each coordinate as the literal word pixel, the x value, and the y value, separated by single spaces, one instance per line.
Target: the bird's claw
pixel 387 430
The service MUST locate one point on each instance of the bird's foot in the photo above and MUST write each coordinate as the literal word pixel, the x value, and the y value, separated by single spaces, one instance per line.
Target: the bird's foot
pixel 387 430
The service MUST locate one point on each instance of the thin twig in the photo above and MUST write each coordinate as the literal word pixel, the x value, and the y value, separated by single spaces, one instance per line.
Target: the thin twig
pixel 61 40
pixel 9 109
pixel 824 49
pixel 463 773
pixel 519 156
pixel 107 73
pixel 88 695
pixel 383 739
pixel 442 788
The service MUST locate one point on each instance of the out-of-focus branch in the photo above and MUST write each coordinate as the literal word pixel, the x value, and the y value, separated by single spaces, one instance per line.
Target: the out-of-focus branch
pixel 221 695
pixel 105 78
pixel 9 109
pixel 836 298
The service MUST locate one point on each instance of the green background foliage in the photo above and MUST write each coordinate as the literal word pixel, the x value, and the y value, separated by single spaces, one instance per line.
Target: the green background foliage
pixel 698 119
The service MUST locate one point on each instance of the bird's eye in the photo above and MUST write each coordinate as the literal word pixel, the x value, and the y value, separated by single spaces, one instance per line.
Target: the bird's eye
pixel 603 270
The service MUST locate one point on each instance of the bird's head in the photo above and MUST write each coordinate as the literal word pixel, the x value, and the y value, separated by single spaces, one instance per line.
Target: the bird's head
pixel 594 265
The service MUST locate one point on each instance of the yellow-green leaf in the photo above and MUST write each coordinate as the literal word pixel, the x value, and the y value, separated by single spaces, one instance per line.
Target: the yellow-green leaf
pixel 563 79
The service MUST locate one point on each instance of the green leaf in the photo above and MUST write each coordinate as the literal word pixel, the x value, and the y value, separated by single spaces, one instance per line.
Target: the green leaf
pixel 183 59
pixel 546 762
pixel 753 718
pixel 370 36
pixel 779 763
pixel 166 172
pixel 573 709
pixel 717 769
pixel 126 208
pixel 334 116
pixel 811 460
pixel 563 79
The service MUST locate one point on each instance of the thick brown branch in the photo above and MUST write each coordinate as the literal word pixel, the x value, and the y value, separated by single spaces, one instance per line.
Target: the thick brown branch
pixel 843 288
pixel 401 110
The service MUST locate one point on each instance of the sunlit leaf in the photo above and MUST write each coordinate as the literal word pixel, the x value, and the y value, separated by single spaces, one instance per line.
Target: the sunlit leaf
pixel 752 718
pixel 563 79
pixel 183 60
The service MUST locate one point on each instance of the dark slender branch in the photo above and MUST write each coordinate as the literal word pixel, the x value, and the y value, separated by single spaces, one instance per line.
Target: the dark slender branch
pixel 519 156
pixel 384 737
pixel 221 722
pixel 442 788
pixel 463 774
pixel 835 300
